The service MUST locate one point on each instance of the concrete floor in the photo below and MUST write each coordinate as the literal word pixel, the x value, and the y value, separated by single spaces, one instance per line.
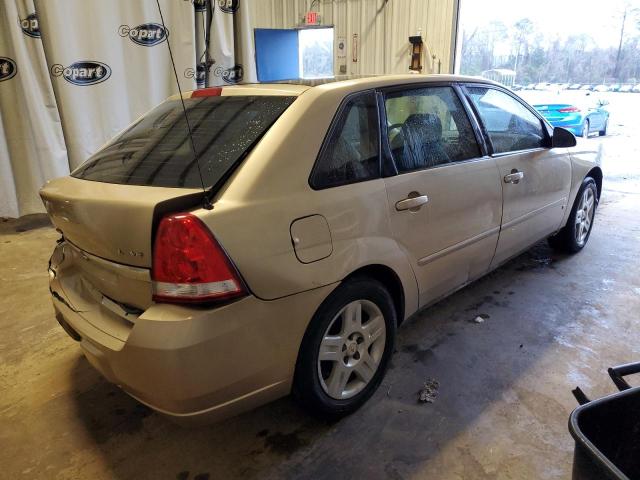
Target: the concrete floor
pixel 553 322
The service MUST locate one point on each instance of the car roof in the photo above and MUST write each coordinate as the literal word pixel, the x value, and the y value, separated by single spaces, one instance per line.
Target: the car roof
pixel 346 82
pixel 376 81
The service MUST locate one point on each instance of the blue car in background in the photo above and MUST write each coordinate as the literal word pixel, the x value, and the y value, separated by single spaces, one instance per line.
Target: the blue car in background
pixel 579 120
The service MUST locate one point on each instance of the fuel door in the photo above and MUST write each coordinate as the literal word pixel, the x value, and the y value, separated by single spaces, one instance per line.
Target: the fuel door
pixel 311 238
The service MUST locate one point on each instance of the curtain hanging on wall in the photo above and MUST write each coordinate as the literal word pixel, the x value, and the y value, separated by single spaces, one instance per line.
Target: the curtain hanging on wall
pixel 228 47
pixel 32 148
pixel 244 48
pixel 221 43
pixel 107 63
pixel 112 70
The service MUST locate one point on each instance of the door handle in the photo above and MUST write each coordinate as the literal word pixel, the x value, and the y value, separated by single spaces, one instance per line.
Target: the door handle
pixel 412 203
pixel 514 177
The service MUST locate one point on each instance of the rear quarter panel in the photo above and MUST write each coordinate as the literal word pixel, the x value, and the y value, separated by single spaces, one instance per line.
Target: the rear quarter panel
pixel 252 215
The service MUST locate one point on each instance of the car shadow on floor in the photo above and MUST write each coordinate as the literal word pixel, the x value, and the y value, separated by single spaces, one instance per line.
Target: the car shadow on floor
pixel 244 446
pixel 24 223
pixel 393 435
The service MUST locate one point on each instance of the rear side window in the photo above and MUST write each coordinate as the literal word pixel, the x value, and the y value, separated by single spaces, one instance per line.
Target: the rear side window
pixel 511 126
pixel 351 153
pixel 428 127
pixel 156 150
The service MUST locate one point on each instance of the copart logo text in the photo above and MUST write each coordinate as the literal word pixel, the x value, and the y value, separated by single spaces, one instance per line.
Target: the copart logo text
pixel 83 72
pixel 30 25
pixel 8 68
pixel 230 75
pixel 147 34
pixel 233 74
pixel 229 6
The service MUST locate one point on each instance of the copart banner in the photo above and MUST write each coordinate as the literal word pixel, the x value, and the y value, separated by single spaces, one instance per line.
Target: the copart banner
pixel 32 148
pixel 108 63
pixel 74 73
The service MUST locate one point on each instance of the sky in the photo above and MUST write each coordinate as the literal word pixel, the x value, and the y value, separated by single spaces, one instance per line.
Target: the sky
pixel 599 18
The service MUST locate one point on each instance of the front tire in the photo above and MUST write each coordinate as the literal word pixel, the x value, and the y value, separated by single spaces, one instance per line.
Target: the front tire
pixel 575 234
pixel 346 350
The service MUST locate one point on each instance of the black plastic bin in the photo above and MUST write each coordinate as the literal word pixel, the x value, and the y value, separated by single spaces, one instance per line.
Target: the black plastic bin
pixel 607 432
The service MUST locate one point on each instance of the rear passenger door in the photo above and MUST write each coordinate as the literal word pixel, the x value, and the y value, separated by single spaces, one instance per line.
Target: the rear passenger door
pixel 444 195
pixel 535 178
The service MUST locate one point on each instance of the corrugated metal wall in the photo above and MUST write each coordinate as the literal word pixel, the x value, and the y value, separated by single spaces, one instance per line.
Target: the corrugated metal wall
pixel 383 28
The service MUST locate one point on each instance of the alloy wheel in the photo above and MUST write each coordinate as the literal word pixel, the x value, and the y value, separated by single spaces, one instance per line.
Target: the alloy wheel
pixel 584 216
pixel 351 349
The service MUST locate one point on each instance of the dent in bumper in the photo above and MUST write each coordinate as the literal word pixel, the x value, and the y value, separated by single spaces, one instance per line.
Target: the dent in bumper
pixel 203 364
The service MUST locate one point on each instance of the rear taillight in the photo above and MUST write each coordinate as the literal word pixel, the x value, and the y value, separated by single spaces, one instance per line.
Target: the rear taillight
pixel 569 109
pixel 189 265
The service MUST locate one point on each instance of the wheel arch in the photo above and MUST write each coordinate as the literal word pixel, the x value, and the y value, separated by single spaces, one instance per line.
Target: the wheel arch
pixel 391 281
pixel 596 174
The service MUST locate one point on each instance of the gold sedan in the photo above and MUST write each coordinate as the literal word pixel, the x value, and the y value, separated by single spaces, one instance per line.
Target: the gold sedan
pixel 274 242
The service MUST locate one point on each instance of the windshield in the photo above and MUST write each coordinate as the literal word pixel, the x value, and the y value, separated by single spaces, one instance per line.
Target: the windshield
pixel 156 150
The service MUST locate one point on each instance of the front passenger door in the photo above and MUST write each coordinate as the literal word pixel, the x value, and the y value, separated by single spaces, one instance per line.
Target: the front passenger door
pixel 535 179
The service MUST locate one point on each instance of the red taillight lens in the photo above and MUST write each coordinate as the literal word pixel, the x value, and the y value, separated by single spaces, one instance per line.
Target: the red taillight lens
pixel 569 109
pixel 189 265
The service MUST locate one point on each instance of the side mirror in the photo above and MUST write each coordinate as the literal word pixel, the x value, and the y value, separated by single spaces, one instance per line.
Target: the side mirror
pixel 563 138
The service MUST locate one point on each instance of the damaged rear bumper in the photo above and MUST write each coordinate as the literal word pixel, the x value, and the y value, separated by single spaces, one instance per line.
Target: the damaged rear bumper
pixel 193 364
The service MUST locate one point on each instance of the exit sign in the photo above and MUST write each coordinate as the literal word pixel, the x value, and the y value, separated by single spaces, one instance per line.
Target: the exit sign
pixel 311 18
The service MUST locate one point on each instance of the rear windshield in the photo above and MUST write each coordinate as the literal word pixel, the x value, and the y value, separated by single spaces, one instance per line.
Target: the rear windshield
pixel 157 151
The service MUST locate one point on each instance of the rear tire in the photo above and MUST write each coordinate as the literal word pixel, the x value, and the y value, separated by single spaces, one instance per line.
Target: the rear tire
pixel 575 234
pixel 346 349
pixel 585 129
pixel 603 132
